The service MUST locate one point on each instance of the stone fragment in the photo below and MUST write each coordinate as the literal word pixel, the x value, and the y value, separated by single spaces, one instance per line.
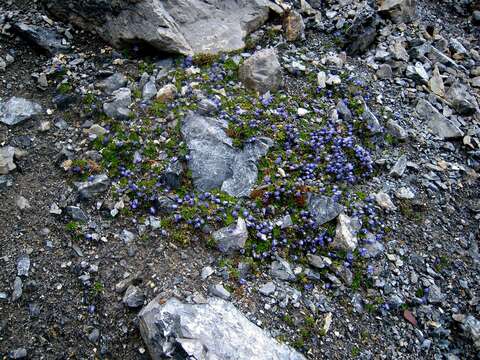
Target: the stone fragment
pixel 112 83
pixel 294 26
pixel 281 269
pixel 461 99
pixel 219 291
pixel 17 110
pixel 7 154
pixel 436 83
pixel 438 124
pixel 117 107
pixel 45 38
pixel 323 208
pixel 133 297
pixel 345 234
pixel 262 71
pixel 211 330
pixel 400 11
pixel 214 162
pixel 167 93
pixel 94 186
pixel 363 32
pixel 267 289
pixel 231 238
pixel 384 201
pixel 400 166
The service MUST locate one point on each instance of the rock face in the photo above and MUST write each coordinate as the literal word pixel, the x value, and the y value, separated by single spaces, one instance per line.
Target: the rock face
pixel 262 72
pixel 214 330
pixel 214 162
pixel 174 26
pixel 16 110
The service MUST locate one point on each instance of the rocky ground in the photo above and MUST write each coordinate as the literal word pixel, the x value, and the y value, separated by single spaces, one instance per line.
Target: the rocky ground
pixel 327 188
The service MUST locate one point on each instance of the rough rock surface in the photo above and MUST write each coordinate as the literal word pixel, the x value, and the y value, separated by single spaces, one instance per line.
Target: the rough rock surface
pixel 17 110
pixel 178 26
pixel 214 330
pixel 214 162
pixel 231 238
pixel 262 72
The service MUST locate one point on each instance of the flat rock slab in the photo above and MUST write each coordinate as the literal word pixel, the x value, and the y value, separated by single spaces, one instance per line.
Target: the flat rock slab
pixel 214 162
pixel 17 110
pixel 47 39
pixel 214 330
pixel 175 26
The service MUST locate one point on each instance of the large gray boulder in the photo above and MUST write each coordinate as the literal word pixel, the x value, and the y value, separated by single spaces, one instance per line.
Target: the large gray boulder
pixel 214 330
pixel 214 162
pixel 174 26
pixel 262 72
pixel 17 110
pixel 398 10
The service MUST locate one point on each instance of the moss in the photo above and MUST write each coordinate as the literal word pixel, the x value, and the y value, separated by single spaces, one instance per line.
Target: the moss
pixel 205 59
pixel 65 88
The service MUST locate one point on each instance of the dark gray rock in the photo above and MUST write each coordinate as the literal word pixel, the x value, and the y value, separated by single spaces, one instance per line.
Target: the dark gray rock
pixel 133 297
pixel 231 238
pixel 176 26
pixel 17 110
pixel 173 174
pixel 281 269
pixel 323 208
pixel 262 72
pixel 213 330
pixel 437 123
pixel 47 39
pixel 112 83
pixel 97 185
pixel 363 32
pixel 117 107
pixel 214 162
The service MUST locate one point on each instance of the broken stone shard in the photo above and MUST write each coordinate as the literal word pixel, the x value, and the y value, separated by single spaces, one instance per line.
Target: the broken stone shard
pixel 345 234
pixel 437 123
pixel 323 208
pixel 17 110
pixel 96 185
pixel 262 72
pixel 214 162
pixel 47 39
pixel 175 26
pixel 213 330
pixel 232 238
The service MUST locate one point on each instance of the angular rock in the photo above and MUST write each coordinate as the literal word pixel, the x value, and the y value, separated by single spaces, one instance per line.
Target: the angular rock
pixel 214 330
pixel 396 130
pixel 363 31
pixel 319 262
pixel 149 90
pixel 471 328
pixel 47 39
pixel 262 72
pixel 17 110
pixel 23 265
pixel 281 269
pixel 294 26
pixel 219 291
pixel 384 201
pixel 267 289
pixel 167 93
pixel 117 108
pixel 214 162
pixel 436 83
pixel 17 289
pixel 345 234
pixel 173 174
pixel 76 213
pixel 97 185
pixel 400 166
pixel 323 208
pixel 438 124
pixel 176 26
pixel 398 10
pixel 112 83
pixel 385 72
pixel 231 238
pixel 6 160
pixel 133 297
pixel 461 99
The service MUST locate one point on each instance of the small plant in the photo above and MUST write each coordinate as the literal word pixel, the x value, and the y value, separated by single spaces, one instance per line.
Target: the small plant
pixel 65 88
